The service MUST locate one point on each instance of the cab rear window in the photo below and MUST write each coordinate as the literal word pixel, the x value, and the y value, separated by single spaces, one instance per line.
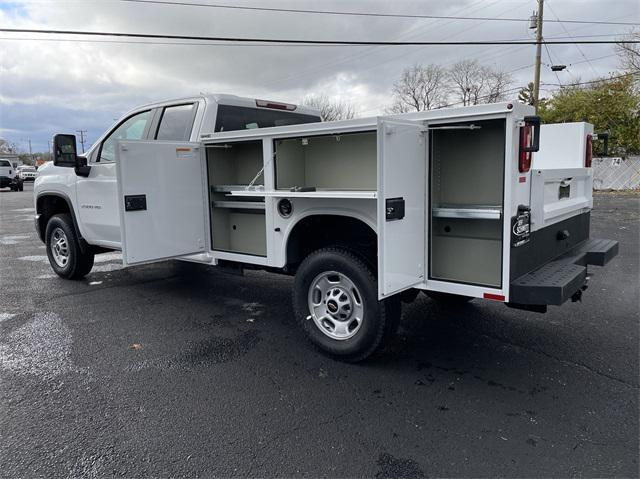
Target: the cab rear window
pixel 231 118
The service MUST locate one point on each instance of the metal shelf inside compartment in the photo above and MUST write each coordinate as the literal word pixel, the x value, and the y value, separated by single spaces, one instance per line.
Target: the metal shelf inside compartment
pixel 230 188
pixel 251 205
pixel 469 212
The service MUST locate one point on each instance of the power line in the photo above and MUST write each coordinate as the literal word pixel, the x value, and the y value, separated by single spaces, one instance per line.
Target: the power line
pixel 567 32
pixel 396 56
pixel 518 88
pixel 412 33
pixel 311 42
pixel 600 80
pixel 546 47
pixel 151 42
pixel 362 14
pixel 592 59
pixel 247 44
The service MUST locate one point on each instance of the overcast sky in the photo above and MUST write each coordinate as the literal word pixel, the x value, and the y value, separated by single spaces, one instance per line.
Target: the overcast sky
pixel 47 87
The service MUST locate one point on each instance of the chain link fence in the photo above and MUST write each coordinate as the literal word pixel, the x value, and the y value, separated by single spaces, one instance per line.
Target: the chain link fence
pixel 616 173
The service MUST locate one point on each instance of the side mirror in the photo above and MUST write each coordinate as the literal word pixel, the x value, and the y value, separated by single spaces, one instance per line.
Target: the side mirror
pixel 65 154
pixel 64 151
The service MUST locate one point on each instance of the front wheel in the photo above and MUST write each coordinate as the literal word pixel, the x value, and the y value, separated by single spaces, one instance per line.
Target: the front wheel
pixel 63 249
pixel 335 301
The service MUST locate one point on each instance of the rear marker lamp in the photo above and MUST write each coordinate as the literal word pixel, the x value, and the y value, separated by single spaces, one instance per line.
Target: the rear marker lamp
pixel 494 297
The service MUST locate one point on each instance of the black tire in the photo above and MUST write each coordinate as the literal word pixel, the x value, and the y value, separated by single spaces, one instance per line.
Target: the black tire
pixel 380 318
pixel 448 299
pixel 21 187
pixel 78 264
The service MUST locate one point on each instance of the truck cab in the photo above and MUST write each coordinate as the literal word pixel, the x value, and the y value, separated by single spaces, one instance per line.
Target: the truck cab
pixel 90 191
pixel 475 202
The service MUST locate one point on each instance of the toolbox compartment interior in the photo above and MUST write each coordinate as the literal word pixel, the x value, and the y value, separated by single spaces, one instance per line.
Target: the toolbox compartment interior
pixel 237 223
pixel 467 199
pixel 327 162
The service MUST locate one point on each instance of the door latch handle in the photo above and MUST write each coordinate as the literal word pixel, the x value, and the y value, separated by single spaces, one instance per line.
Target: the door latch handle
pixel 394 209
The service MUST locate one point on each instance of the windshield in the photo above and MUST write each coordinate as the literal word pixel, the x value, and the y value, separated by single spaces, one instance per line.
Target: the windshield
pixel 231 118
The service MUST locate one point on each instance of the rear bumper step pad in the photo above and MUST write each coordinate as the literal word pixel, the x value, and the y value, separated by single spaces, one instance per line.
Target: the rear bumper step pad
pixel 557 281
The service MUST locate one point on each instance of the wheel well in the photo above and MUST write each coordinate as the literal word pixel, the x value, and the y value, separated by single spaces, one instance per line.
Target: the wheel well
pixel 319 231
pixel 46 207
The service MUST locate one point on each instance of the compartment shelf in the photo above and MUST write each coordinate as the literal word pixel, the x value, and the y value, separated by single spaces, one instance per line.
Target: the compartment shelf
pixel 483 213
pixel 247 205
pixel 307 194
pixel 230 188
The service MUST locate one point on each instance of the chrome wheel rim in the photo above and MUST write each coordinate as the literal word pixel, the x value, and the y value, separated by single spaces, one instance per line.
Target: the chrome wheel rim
pixel 335 305
pixel 60 247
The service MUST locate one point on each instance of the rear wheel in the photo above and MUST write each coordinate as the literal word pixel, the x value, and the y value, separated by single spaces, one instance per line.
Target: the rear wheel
pixel 63 249
pixel 335 301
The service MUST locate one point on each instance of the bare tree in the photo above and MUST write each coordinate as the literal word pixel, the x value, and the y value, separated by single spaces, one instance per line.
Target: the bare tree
pixel 630 52
pixel 472 83
pixel 498 82
pixel 330 110
pixel 419 88
pixel 466 81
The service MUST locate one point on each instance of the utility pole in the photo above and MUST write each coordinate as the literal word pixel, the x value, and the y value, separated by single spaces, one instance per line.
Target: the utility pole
pixel 28 140
pixel 536 79
pixel 82 133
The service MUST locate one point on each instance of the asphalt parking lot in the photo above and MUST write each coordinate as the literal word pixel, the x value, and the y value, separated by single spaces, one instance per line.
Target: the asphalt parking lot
pixel 174 370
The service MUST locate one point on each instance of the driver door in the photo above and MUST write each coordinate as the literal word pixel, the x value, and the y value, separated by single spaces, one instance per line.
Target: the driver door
pixel 96 194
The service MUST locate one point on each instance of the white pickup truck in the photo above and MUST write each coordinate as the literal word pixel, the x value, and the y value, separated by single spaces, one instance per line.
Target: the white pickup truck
pixel 475 202
pixel 8 176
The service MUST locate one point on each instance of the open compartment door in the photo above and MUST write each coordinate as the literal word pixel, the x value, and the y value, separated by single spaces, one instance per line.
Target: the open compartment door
pixel 402 150
pixel 161 200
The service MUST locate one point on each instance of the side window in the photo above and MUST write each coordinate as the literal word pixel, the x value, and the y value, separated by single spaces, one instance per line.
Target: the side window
pixel 176 122
pixel 131 129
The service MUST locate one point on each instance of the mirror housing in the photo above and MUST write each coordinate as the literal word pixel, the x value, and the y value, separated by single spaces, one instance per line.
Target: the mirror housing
pixel 65 153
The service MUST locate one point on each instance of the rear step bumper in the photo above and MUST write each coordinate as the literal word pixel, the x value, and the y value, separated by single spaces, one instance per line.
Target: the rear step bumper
pixel 557 281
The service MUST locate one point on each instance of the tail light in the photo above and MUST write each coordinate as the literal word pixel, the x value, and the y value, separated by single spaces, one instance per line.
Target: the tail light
pixel 588 156
pixel 529 142
pixel 524 163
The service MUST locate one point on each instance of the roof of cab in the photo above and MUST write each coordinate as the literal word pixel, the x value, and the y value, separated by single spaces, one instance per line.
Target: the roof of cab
pixel 226 99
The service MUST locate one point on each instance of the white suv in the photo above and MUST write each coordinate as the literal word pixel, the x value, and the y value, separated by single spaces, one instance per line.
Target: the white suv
pixel 27 172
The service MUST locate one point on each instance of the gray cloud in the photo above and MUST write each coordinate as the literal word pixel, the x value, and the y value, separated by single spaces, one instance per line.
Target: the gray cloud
pixel 47 86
